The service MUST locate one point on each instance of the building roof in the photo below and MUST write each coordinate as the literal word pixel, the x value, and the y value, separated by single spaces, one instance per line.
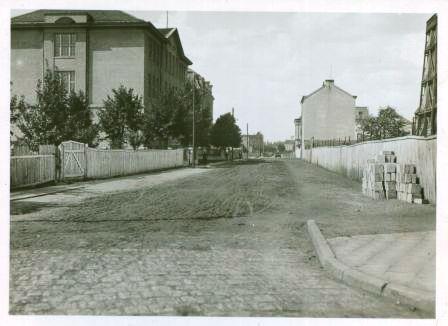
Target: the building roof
pixel 172 32
pixel 97 16
pixel 322 87
pixel 167 32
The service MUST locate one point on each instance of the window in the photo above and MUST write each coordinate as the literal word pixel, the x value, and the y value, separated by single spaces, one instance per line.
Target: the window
pixel 68 80
pixel 64 45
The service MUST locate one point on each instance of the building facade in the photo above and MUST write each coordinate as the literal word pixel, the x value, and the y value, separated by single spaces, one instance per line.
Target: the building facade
pixel 205 89
pixel 253 144
pixel 361 113
pixel 289 145
pixel 94 52
pixel 328 113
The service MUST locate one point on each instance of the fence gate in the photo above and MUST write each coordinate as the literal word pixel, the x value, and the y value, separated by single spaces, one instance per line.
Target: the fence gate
pixel 73 160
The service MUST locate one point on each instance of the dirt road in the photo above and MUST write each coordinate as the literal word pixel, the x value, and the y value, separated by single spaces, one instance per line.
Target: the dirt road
pixel 229 242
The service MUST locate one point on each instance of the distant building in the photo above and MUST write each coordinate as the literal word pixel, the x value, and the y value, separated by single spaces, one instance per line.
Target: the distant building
pixel 361 113
pixel 425 120
pixel 95 51
pixel 253 143
pixel 289 145
pixel 297 135
pixel 205 89
pixel 328 113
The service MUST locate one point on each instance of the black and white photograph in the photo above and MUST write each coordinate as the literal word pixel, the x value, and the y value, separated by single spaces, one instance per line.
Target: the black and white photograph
pixel 246 162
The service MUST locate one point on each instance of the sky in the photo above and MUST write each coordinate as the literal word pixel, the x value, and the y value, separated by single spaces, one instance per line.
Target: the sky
pixel 261 64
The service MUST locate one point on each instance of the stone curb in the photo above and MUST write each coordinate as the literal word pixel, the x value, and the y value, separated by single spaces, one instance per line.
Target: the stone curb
pixel 400 294
pixel 51 191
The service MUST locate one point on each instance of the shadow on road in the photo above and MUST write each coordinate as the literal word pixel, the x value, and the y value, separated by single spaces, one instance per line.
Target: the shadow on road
pixel 241 162
pixel 24 207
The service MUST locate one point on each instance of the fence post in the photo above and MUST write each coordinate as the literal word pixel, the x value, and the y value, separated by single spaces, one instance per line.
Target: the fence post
pixel 85 160
pixel 61 162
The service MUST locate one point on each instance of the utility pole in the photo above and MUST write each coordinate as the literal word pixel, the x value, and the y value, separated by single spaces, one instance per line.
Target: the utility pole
pixel 247 140
pixel 194 144
pixel 167 19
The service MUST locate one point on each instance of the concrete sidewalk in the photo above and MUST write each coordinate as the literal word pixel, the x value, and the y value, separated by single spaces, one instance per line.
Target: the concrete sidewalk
pixel 79 191
pixel 408 259
pixel 401 266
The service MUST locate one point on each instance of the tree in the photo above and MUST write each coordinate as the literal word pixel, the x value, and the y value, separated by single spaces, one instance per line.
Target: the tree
pixel 58 115
pixel 270 148
pixel 281 147
pixel 159 120
pixel 225 133
pixel 79 126
pixel 388 124
pixel 16 107
pixel 121 117
pixel 368 127
pixel 183 117
pixel 170 118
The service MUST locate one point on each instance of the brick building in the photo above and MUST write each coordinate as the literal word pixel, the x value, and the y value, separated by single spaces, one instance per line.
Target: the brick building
pixel 95 51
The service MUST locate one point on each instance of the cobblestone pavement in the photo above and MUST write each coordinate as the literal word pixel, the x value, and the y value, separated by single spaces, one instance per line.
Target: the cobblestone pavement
pixel 230 242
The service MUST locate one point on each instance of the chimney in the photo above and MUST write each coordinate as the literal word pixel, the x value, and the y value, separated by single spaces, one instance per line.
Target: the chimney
pixel 328 83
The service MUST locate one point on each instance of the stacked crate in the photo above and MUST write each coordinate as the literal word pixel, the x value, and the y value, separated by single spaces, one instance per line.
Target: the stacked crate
pixel 390 176
pixel 386 157
pixel 383 178
pixel 408 186
pixel 372 180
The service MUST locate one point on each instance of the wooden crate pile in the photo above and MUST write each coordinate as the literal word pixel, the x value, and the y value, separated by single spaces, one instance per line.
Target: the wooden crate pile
pixel 390 177
pixel 408 186
pixel 372 180
pixel 383 178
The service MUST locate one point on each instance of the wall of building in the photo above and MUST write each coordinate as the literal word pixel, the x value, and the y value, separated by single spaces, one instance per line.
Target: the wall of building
pixel 176 69
pixel 26 62
pixel 116 57
pixel 328 114
pixel 153 68
pixel 32 53
pixel 77 63
pixel 351 160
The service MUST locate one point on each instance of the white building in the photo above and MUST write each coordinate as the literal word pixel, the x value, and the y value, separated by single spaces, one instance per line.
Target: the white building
pixel 328 113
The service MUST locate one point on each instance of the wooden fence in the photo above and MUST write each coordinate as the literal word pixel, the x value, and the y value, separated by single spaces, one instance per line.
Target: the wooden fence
pixel 111 163
pixel 79 161
pixel 30 170
pixel 350 160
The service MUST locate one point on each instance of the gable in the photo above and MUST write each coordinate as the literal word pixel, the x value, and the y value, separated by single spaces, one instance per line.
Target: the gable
pixel 172 35
pixel 326 87
pixel 96 16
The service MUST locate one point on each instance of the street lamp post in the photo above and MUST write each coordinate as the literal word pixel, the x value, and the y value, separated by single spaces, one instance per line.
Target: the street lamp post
pixel 193 140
